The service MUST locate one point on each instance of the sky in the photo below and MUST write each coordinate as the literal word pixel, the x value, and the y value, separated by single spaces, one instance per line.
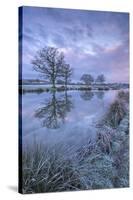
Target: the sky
pixel 93 42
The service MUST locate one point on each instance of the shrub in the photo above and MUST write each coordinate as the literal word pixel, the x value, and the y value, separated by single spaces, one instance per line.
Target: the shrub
pixel 106 88
pixel 115 114
pixel 84 88
pixel 122 95
pixel 100 88
pixel 33 90
pixel 104 140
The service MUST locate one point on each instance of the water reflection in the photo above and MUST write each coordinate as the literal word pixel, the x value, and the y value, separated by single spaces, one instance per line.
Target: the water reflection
pixel 100 94
pixel 54 111
pixel 87 95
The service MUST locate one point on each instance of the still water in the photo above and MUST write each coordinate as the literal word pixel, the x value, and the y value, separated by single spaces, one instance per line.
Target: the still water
pixel 59 117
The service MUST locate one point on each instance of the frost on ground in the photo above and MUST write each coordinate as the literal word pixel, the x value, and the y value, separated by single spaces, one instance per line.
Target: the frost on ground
pixel 103 163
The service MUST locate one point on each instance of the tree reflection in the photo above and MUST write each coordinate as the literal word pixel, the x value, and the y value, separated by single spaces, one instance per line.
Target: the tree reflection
pixel 100 94
pixel 55 110
pixel 87 95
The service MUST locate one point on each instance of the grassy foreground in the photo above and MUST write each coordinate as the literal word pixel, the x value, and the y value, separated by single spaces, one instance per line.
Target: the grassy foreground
pixel 100 164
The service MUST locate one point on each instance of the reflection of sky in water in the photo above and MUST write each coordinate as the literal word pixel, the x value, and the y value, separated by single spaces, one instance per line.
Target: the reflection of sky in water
pixel 78 123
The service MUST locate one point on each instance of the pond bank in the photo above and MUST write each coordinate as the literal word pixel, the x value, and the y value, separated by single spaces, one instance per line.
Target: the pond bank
pixel 100 164
pixel 32 89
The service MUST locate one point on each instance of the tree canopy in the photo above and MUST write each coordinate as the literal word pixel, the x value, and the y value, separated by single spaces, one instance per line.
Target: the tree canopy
pixel 48 62
pixel 100 78
pixel 87 79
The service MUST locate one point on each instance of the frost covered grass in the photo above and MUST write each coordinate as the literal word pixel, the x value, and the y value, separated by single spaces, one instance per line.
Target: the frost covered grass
pixel 47 170
pixel 103 163
pixel 118 109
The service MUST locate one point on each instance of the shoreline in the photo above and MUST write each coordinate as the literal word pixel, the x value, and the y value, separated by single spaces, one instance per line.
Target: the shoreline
pixel 61 89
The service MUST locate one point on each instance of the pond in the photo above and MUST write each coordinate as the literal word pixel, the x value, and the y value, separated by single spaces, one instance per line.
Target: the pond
pixel 63 117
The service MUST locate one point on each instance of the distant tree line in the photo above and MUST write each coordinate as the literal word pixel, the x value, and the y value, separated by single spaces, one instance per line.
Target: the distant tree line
pixel 89 79
pixel 50 63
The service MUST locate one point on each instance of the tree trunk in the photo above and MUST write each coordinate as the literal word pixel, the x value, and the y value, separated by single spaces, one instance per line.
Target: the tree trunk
pixel 53 77
pixel 65 83
pixel 53 82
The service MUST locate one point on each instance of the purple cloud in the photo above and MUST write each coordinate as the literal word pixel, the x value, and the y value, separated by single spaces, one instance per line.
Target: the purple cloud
pixel 93 41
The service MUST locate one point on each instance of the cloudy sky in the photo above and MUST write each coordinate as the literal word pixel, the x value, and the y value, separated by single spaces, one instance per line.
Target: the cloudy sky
pixel 93 42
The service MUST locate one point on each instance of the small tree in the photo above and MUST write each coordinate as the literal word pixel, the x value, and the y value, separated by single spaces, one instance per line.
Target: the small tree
pixel 87 79
pixel 100 78
pixel 66 73
pixel 48 62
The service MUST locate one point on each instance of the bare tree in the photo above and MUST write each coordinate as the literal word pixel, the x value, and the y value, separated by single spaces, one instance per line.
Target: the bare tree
pixel 48 62
pixel 100 78
pixel 87 79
